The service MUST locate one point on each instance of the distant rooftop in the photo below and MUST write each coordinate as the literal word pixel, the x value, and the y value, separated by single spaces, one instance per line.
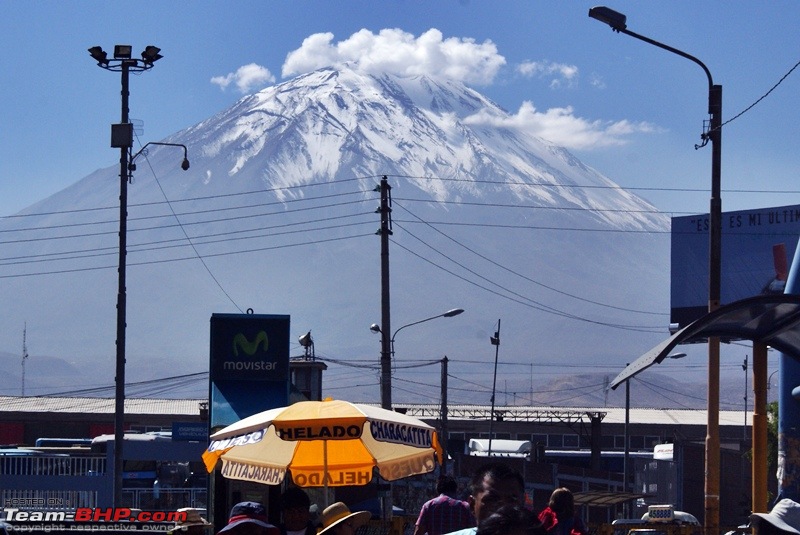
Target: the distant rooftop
pixel 68 405
pixel 189 407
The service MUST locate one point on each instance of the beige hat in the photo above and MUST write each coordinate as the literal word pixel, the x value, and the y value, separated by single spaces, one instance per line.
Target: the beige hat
pixel 193 518
pixel 336 513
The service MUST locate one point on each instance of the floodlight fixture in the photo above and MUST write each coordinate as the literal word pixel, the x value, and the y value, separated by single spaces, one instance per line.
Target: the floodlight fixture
pixel 122 51
pixel 151 54
pixel 99 55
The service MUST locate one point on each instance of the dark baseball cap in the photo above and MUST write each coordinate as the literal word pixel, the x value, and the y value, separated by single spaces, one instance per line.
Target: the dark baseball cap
pixel 244 512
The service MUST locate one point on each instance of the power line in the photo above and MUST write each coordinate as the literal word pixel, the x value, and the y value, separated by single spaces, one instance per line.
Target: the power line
pixel 525 301
pixel 483 257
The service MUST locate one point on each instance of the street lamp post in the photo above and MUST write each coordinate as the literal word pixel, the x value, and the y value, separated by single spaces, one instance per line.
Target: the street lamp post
pixel 618 23
pixel 122 138
pixel 769 381
pixel 386 376
pixel 386 381
pixel 744 429
pixel 627 448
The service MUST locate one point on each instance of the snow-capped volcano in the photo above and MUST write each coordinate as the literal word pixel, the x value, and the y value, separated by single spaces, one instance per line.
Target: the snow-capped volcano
pixel 277 214
pixel 331 125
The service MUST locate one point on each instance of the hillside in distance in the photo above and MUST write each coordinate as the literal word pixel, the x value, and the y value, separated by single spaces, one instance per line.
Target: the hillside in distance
pixel 277 214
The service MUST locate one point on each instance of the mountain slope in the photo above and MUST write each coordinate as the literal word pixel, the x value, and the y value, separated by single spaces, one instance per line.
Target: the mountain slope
pixel 277 214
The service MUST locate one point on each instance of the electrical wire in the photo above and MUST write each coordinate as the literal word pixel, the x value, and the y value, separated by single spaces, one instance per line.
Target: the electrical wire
pixel 483 257
pixel 524 301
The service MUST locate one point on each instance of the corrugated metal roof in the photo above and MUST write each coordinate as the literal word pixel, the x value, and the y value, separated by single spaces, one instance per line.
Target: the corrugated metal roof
pixel 37 404
pixel 615 415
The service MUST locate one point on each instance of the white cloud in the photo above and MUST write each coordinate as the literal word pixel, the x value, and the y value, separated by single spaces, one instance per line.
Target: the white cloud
pixel 399 52
pixel 559 73
pixel 246 78
pixel 562 127
pixel 596 81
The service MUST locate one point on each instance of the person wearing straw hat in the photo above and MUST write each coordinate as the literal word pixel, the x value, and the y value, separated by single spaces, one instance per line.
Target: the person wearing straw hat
pixel 193 524
pixel 338 520
pixel 782 520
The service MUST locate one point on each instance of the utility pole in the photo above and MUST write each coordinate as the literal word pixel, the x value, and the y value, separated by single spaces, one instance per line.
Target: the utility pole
pixel 444 415
pixel 744 429
pixel 495 340
pixel 24 355
pixel 386 355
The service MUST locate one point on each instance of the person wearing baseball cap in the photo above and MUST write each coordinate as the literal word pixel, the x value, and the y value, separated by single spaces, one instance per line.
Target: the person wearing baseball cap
pixel 249 518
pixel 338 520
pixel 782 520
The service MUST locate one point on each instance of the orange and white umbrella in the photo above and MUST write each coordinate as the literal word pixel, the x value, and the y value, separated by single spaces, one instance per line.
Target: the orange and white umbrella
pixel 326 443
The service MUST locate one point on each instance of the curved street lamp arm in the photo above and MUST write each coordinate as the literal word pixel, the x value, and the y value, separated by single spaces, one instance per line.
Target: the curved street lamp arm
pixel 184 164
pixel 185 150
pixel 448 314
pixel 670 49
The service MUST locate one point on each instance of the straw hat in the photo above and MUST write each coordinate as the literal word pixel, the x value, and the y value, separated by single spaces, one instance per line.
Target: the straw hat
pixel 193 518
pixel 785 516
pixel 336 513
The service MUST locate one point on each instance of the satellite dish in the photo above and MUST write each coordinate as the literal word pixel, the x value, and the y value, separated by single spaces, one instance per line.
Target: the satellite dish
pixel 306 340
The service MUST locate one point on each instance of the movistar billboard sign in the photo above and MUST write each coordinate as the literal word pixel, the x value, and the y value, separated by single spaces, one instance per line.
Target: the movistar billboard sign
pixel 249 347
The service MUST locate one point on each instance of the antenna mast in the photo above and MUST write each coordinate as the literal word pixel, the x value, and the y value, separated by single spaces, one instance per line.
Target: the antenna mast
pixel 24 354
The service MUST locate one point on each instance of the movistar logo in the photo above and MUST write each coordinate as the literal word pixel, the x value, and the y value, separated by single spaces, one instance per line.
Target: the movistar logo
pixel 240 341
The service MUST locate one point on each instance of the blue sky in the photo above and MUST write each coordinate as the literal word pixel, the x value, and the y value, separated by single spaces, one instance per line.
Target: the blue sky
pixel 627 108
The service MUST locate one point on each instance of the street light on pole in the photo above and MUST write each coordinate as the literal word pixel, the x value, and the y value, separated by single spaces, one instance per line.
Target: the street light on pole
pixel 122 138
pixel 377 329
pixel 769 381
pixel 713 133
pixel 627 447
pixel 386 377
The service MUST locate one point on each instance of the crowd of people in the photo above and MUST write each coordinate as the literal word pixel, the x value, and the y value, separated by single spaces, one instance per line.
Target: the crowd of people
pixel 495 506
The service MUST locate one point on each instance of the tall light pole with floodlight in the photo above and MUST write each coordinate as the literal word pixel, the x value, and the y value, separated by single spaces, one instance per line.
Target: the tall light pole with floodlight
pixel 713 133
pixel 122 138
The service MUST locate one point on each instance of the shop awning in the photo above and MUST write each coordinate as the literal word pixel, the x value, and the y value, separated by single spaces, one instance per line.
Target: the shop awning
pixel 772 319
pixel 604 498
